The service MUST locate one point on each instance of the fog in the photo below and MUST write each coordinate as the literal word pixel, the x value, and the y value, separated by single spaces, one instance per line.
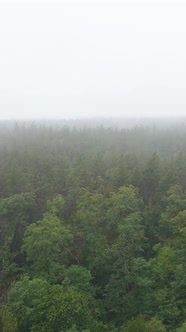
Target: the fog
pixel 76 59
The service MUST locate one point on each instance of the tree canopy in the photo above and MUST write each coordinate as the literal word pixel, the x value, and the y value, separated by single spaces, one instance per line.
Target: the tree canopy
pixel 92 229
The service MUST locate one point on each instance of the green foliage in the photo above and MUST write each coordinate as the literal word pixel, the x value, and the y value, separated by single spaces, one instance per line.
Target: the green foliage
pixel 88 221
pixel 151 177
pixel 92 229
pixel 40 306
pixel 182 328
pixel 135 325
pixel 16 212
pixel 56 206
pixel 122 293
pixel 74 329
pixel 140 325
pixel 46 244
pixel 8 320
pixel 79 278
pixel 121 204
pixel 166 258
pixel 155 325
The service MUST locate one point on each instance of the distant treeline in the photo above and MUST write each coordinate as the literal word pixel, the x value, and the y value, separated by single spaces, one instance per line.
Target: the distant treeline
pixel 112 122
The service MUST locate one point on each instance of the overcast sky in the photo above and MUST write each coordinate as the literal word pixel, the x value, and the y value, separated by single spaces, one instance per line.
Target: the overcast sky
pixel 85 58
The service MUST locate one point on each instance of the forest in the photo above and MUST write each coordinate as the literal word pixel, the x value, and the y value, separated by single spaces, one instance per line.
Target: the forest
pixel 92 228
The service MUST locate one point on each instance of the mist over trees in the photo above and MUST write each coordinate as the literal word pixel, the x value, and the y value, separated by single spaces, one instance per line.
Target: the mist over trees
pixel 93 226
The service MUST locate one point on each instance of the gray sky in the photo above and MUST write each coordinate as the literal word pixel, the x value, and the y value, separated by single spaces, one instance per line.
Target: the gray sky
pixel 84 58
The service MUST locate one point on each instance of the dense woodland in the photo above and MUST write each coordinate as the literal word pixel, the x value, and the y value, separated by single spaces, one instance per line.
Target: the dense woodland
pixel 92 228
